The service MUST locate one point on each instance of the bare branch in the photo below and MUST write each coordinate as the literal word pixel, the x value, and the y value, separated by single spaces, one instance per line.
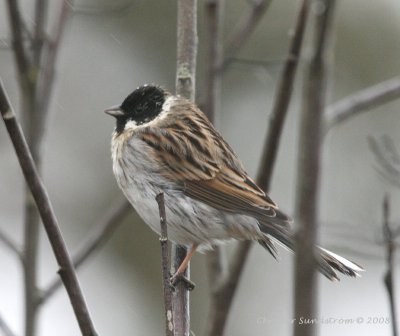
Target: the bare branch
pixel 185 86
pixel 305 280
pixel 20 52
pixel 361 101
pixel 390 245
pixel 11 245
pixel 169 320
pixel 39 34
pixel 245 27
pixel 225 290
pixel 49 219
pixel 46 77
pixel 212 88
pixel 103 231
pixel 387 158
pixel 5 328
pixel 282 99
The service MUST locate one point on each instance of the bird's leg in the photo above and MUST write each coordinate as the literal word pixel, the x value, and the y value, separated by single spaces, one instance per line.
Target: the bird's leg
pixel 178 276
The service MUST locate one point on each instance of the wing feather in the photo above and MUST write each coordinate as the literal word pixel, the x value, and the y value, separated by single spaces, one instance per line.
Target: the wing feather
pixel 194 156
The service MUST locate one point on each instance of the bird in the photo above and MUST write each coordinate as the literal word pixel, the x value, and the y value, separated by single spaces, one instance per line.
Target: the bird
pixel 163 143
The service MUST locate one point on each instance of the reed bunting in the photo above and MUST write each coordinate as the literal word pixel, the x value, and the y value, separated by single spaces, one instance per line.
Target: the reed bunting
pixel 164 143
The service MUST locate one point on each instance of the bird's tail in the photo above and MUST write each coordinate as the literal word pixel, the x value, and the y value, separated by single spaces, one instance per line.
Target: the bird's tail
pixel 328 262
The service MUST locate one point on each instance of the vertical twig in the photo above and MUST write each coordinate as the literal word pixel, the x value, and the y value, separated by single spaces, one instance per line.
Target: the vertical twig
pixel 39 193
pixel 169 320
pixel 185 86
pixel 211 88
pixel 309 169
pixel 282 99
pixel 390 245
pixel 222 295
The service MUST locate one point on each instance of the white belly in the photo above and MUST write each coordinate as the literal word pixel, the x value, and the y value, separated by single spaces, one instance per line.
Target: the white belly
pixel 188 221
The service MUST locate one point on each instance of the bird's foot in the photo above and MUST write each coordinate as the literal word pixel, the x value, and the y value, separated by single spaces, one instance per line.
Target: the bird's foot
pixel 177 278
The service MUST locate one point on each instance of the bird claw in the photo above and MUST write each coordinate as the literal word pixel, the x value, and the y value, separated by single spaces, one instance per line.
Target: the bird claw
pixel 177 278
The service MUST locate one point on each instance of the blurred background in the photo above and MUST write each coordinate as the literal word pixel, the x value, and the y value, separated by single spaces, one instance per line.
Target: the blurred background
pixel 111 47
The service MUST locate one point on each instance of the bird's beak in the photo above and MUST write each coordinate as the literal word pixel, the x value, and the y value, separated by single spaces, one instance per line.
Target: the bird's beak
pixel 115 111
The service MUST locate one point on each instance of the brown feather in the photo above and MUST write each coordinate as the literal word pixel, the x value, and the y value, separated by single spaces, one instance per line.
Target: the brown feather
pixel 195 156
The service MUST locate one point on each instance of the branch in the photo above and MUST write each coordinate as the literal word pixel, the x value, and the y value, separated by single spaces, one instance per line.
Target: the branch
pixel 169 320
pixel 46 76
pixel 245 27
pixel 282 99
pixel 360 102
pixel 103 231
pixel 305 280
pixel 49 219
pixel 224 293
pixel 20 53
pixel 5 328
pixel 212 89
pixel 387 158
pixel 11 245
pixel 390 244
pixel 185 86
pixel 39 34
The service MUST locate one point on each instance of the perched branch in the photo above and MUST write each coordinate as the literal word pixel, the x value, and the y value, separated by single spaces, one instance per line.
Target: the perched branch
pixel 390 244
pixel 185 86
pixel 223 294
pixel 11 245
pixel 39 193
pixel 103 231
pixel 245 27
pixel 169 321
pixel 308 171
pixel 361 101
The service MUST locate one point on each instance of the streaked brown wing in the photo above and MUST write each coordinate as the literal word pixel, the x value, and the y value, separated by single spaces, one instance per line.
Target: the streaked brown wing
pixel 196 157
pixel 231 195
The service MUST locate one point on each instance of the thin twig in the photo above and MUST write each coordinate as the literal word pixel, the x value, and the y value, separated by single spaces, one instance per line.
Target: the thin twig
pixel 223 294
pixel 169 320
pixel 5 328
pixel 11 245
pixel 39 193
pixel 101 234
pixel 39 33
pixel 211 89
pixel 46 76
pixel 387 158
pixel 282 99
pixel 245 27
pixel 361 101
pixel 305 279
pixel 390 245
pixel 185 86
pixel 20 53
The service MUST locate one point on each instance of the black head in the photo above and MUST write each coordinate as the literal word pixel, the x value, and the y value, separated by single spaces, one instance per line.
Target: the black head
pixel 141 106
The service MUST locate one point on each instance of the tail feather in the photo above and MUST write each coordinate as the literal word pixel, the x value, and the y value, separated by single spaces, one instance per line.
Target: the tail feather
pixel 331 261
pixel 328 262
